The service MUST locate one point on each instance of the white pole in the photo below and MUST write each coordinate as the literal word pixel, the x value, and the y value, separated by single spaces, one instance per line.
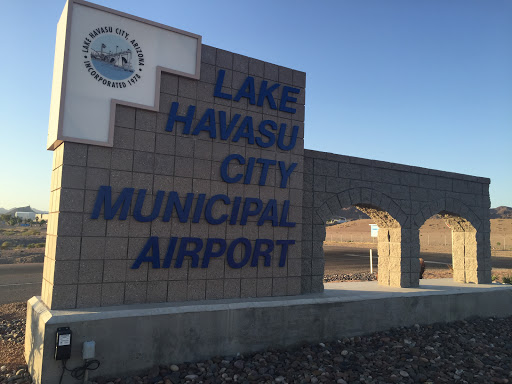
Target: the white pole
pixel 371 261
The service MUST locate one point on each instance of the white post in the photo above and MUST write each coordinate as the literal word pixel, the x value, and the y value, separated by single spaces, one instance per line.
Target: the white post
pixel 371 261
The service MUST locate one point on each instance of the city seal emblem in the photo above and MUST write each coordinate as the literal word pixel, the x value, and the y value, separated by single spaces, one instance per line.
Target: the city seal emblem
pixel 113 57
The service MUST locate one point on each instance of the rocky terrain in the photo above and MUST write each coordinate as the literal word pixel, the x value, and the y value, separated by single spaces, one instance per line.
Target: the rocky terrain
pixel 475 351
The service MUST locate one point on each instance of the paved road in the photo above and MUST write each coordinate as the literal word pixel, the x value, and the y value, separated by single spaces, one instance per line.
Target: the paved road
pixel 348 260
pixel 19 282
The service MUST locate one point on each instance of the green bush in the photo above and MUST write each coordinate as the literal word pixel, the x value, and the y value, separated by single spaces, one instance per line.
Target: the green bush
pixel 494 277
pixel 40 245
pixel 507 279
pixel 32 245
pixel 6 244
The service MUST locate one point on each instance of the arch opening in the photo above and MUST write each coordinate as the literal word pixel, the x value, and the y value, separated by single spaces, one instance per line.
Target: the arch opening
pixel 462 240
pixel 392 261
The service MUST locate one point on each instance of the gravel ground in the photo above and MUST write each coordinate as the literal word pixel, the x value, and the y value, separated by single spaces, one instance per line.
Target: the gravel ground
pixel 365 276
pixel 476 351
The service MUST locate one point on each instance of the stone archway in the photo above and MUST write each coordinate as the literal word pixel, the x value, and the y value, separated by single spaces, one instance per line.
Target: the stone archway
pixel 471 258
pixel 396 266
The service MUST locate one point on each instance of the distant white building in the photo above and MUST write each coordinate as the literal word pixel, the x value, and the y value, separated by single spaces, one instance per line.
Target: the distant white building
pixel 25 215
pixel 42 216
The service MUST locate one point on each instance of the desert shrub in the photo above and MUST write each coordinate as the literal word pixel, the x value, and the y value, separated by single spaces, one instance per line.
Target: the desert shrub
pixel 494 277
pixel 6 244
pixel 507 279
pixel 31 245
pixel 40 245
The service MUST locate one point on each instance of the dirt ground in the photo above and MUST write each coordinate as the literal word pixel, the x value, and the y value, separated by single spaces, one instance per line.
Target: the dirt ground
pixel 22 244
pixel 435 236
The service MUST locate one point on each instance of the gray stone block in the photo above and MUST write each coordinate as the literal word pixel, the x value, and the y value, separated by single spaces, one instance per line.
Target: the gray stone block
pixel 202 169
pixel 114 271
pixel 279 286
pixel 205 92
pixel 271 72
pixel 256 67
pixel 99 157
pixel 71 200
pixel 92 248
pixel 240 63
pixel 67 248
pixel 169 84
pixel 74 154
pixel 143 162
pixel 187 88
pixel 89 295
pixel 124 137
pixel 91 271
pixel 293 286
pixel 144 141
pixel 162 183
pixel 156 292
pixel 196 289
pixel 177 291
pixel 224 59
pixel 317 266
pixel 299 79
pixel 285 75
pixel 112 294
pixel 249 287
pixel 208 54
pixel 125 116
pixel 231 288
pixel 184 147
pixel 139 229
pixel 140 274
pixel 184 167
pixel 64 296
pixel 116 247
pixel 294 267
pixel 135 292
pixel 165 144
pixel 96 177
pixel 208 74
pixel 215 268
pixel 176 274
pixel 66 272
pixel 72 177
pixel 214 289
pixel 117 228
pixel 93 227
pixel 142 181
pixel 118 181
pixel 203 149
pixel 122 159
pixel 145 120
pixel 305 284
pixel 196 273
pixel 317 284
pixel 69 224
pixel 264 287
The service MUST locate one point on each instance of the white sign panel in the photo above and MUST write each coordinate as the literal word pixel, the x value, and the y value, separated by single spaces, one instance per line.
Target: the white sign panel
pixel 374 230
pixel 102 56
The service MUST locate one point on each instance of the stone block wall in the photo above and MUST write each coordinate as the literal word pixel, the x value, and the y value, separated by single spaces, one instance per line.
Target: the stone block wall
pixel 400 198
pixel 88 261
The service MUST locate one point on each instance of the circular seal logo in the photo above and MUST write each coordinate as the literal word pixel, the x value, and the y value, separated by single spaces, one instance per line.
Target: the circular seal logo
pixel 113 57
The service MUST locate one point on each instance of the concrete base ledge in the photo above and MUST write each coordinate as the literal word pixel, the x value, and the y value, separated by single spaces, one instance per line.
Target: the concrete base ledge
pixel 132 338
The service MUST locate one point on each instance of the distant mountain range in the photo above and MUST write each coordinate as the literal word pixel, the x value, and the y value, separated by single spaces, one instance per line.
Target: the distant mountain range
pixel 28 208
pixel 351 213
pixel 501 213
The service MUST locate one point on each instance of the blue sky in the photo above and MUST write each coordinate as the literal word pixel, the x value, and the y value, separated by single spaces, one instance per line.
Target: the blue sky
pixel 424 82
